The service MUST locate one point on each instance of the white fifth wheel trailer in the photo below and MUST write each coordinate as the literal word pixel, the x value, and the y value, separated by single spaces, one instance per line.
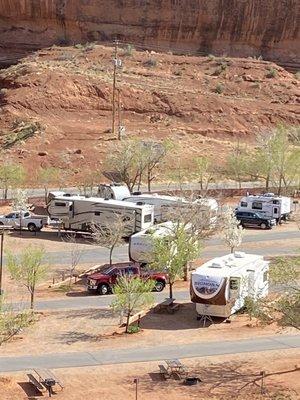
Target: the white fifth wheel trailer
pixel 220 286
pixel 141 243
pixel 113 191
pixel 164 204
pixel 268 204
pixel 79 212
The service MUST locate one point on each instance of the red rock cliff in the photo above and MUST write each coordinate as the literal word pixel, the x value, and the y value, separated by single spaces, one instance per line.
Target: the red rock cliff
pixel 269 28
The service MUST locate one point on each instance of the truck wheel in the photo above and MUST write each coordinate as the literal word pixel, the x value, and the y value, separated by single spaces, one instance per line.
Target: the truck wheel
pixel 263 226
pixel 31 227
pixel 1 223
pixel 159 286
pixel 103 289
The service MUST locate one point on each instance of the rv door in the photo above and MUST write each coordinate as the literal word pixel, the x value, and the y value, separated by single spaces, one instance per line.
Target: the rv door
pixel 276 213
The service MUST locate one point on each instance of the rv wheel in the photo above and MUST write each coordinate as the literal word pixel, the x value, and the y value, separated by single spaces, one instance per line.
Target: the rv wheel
pixel 103 289
pixel 263 226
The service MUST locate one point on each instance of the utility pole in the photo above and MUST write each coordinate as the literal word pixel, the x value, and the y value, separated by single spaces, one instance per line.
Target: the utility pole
pixel 115 61
pixel 120 127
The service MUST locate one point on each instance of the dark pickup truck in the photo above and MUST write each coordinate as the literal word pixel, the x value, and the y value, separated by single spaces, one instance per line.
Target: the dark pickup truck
pixel 254 219
pixel 103 280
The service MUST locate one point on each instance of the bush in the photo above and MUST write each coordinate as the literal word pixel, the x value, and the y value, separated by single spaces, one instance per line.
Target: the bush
pixel 65 57
pixel 133 329
pixel 272 73
pixel 219 88
pixel 21 130
pixel 297 75
pixel 211 57
pixel 128 50
pixel 150 63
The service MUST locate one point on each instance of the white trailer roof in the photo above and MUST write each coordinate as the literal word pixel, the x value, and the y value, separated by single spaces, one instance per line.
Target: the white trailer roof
pixel 228 265
pixel 99 200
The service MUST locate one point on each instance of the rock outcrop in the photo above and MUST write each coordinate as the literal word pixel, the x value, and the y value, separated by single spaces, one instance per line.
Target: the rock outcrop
pixel 267 28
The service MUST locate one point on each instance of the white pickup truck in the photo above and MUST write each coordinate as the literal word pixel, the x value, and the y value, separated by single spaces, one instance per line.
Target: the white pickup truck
pixel 27 220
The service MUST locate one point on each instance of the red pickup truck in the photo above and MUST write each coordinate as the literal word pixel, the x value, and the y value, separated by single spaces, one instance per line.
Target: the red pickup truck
pixel 103 280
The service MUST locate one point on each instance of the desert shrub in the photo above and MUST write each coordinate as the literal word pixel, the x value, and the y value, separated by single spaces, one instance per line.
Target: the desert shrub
pixel 150 63
pixel 133 329
pixel 177 73
pixel 21 130
pixel 128 50
pixel 89 46
pixel 219 88
pixel 272 73
pixel 211 57
pixel 297 75
pixel 65 56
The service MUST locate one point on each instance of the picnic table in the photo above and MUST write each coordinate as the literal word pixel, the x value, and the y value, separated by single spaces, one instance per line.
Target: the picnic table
pixel 45 380
pixel 174 367
pixel 168 305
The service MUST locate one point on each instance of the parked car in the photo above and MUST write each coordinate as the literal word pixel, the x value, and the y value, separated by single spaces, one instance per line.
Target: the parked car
pixel 13 219
pixel 255 219
pixel 104 279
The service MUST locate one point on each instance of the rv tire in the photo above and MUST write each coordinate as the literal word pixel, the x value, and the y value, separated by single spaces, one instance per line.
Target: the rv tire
pixel 103 289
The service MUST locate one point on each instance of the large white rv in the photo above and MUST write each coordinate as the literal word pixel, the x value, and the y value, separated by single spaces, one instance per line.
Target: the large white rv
pixel 220 286
pixel 141 243
pixel 268 204
pixel 164 204
pixel 79 212
pixel 113 191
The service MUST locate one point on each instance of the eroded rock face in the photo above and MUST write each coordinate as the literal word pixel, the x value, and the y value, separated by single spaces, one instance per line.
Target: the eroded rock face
pixel 266 28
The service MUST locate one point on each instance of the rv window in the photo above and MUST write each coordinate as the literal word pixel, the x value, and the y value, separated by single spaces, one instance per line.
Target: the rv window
pixel 275 210
pixel 275 201
pixel 234 284
pixel 244 204
pixel 265 276
pixel 57 204
pixel 256 205
pixel 148 218
pixel 97 213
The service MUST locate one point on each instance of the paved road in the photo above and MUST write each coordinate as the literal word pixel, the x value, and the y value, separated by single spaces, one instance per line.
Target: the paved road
pixel 138 354
pixel 100 255
pixel 39 192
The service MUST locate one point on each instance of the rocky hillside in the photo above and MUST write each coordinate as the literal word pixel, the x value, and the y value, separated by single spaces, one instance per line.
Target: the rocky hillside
pixel 56 103
pixel 241 28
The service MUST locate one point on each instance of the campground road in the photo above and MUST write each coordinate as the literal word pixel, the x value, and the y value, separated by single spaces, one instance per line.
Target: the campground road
pixel 40 192
pixel 212 248
pixel 155 353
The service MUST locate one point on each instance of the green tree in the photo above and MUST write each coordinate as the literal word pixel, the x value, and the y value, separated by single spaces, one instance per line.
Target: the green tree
pixel 284 309
pixel 47 177
pixel 203 171
pixel 11 176
pixel 27 268
pixel 126 163
pixel 237 164
pixel 173 252
pixel 12 321
pixel 132 295
pixel 152 155
pixel 113 232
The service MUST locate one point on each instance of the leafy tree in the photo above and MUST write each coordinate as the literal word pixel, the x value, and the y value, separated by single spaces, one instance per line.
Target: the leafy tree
pixel 203 171
pixel 132 294
pixel 237 164
pixel 284 309
pixel 76 252
pixel 113 232
pixel 126 163
pixel 11 176
pixel 47 177
pixel 12 321
pixel 232 231
pixel 152 155
pixel 172 253
pixel 27 268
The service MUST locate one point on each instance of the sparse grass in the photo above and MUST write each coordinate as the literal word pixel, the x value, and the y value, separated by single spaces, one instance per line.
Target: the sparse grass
pixel 21 130
pixel 150 63
pixel 297 75
pixel 65 56
pixel 272 73
pixel 219 88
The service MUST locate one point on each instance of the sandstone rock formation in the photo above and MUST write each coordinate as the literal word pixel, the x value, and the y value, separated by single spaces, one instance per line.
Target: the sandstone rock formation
pixel 267 28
